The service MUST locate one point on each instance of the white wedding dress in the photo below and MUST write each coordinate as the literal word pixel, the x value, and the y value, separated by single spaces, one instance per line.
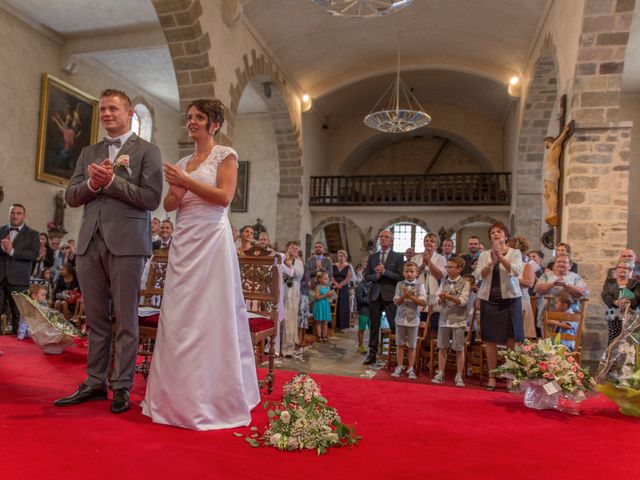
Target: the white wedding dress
pixel 203 374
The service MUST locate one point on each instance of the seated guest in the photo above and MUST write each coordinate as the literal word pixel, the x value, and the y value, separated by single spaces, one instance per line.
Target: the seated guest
pixel 629 256
pixel 453 296
pixel 560 279
pixel 618 293
pixel 563 302
pixel 66 283
pixel 409 296
pixel 45 256
pixel 246 239
pixel 165 233
pixel 564 248
pixel 265 242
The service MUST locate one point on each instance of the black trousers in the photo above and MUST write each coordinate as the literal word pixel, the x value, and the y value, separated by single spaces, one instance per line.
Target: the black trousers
pixel 376 307
pixel 5 295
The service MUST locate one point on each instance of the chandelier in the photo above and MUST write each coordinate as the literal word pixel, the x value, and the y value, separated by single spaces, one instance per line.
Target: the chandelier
pixel 362 8
pixel 397 110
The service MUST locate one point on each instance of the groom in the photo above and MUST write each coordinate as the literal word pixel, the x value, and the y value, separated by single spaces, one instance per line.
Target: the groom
pixel 118 181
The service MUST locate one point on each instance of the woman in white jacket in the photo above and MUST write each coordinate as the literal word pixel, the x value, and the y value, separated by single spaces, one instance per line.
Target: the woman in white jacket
pixel 291 298
pixel 500 296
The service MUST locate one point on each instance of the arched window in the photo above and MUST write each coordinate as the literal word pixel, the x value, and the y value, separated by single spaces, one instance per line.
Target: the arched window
pixel 407 235
pixel 142 122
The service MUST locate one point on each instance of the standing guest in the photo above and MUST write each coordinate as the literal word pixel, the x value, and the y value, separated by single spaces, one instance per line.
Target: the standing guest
pixel 564 248
pixel 303 310
pixel 117 181
pixel 359 271
pixel 453 296
pixel 58 256
pixel 384 269
pixel 474 247
pixel 626 255
pixel 165 233
pixel 500 296
pixel 527 280
pixel 291 298
pixel 536 257
pixel 318 262
pixel 71 256
pixel 19 248
pixel 447 249
pixel 362 307
pixel 321 306
pixel 246 239
pixel 155 229
pixel 408 254
pixel 408 297
pixel 340 282
pixel 66 283
pixel 203 374
pixel 617 294
pixel 45 256
pixel 432 267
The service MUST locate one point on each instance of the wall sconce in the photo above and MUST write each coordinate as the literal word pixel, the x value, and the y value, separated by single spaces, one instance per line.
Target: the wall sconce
pixel 515 86
pixel 305 103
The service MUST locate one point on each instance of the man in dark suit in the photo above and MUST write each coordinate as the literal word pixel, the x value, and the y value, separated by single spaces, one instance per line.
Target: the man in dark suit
pixel 384 271
pixel 317 262
pixel 20 248
pixel 118 181
pixel 474 248
pixel 165 232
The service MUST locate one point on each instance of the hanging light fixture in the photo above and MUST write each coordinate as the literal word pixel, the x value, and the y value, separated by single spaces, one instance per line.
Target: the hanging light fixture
pixel 398 110
pixel 362 8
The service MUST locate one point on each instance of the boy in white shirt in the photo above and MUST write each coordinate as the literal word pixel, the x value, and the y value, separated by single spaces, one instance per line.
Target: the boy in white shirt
pixel 453 295
pixel 410 295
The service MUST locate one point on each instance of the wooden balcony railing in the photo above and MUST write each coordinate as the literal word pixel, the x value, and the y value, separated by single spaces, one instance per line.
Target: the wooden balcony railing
pixel 439 189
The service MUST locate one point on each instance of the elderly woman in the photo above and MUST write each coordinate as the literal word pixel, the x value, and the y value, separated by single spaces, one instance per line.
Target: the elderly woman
pixel 560 279
pixel 431 266
pixel 527 279
pixel 340 282
pixel 500 296
pixel 618 293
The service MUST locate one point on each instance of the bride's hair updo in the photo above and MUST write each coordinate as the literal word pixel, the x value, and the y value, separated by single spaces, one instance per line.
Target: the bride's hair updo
pixel 213 109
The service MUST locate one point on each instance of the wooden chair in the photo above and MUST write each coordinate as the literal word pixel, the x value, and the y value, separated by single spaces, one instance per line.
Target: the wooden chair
pixel 549 330
pixel 423 338
pixel 260 284
pixel 475 348
pixel 149 308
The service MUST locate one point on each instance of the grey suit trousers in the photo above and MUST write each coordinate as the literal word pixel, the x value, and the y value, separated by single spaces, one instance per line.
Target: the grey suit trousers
pixel 107 279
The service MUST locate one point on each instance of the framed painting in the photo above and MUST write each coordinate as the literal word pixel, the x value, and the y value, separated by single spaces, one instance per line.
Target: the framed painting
pixel 68 123
pixel 240 201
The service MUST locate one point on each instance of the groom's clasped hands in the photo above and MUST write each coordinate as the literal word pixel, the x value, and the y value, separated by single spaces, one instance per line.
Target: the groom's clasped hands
pixel 100 173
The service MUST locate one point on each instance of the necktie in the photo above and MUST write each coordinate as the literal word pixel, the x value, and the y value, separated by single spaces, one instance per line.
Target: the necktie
pixel 383 257
pixel 112 141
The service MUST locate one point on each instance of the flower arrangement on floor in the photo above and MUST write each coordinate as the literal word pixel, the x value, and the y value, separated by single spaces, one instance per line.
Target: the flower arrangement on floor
pixel 304 421
pixel 619 371
pixel 548 373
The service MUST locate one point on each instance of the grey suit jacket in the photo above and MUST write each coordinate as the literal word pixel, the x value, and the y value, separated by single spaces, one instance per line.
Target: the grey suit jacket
pixel 26 248
pixel 120 211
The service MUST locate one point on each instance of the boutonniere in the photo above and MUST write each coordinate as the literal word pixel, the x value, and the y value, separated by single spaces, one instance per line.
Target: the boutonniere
pixel 122 162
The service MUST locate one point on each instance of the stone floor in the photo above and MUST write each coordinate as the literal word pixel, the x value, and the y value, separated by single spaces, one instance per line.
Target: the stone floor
pixel 336 357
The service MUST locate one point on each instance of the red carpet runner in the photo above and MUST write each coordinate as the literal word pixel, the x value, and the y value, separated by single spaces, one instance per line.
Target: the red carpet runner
pixel 409 431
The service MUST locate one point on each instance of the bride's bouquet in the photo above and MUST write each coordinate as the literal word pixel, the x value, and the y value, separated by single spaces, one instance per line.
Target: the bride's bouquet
pixel 304 421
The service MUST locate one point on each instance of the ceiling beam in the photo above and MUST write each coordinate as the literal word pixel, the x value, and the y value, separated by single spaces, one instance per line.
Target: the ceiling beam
pixel 147 37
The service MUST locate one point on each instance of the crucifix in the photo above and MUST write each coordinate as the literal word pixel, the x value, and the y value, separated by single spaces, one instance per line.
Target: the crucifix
pixel 551 173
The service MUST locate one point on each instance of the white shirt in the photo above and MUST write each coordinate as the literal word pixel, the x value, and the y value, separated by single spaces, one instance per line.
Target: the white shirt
pixel 509 284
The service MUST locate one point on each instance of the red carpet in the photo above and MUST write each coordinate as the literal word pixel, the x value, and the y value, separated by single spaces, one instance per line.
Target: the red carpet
pixel 409 431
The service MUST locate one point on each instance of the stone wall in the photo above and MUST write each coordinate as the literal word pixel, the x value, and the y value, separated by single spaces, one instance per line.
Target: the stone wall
pixel 596 201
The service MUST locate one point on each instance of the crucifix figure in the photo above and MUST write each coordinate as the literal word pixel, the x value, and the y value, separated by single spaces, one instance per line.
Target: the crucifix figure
pixel 551 176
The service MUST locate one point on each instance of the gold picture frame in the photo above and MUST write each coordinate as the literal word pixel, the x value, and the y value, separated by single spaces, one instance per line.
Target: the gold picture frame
pixel 68 123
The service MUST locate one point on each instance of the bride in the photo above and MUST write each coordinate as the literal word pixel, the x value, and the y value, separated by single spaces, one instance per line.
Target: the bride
pixel 203 374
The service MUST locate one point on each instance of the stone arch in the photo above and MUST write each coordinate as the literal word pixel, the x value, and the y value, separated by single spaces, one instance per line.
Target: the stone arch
pixel 258 69
pixel 472 219
pixel 345 220
pixel 189 48
pixel 539 105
